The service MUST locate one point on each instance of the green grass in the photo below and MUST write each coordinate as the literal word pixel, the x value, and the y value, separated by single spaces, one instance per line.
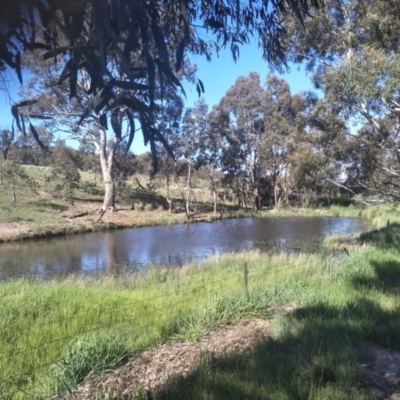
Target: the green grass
pixel 351 211
pixel 56 334
pixel 314 349
pixel 385 218
pixel 379 215
pixel 43 213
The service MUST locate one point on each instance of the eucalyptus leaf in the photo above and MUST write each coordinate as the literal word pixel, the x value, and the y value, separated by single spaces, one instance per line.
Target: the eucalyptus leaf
pixel 36 136
pixel 54 53
pixel 116 123
pixel 131 131
pixel 26 103
pixel 103 121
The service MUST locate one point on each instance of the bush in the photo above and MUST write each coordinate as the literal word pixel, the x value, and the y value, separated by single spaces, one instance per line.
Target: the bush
pixel 137 206
pixel 149 207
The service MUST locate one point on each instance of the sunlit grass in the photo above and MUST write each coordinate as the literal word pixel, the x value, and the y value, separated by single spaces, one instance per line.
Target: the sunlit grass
pixel 55 334
pixel 313 351
pixel 331 211
pixel 335 303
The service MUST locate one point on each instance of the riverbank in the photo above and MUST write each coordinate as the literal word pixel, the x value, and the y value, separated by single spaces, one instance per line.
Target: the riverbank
pixel 81 219
pixel 59 219
pixel 57 335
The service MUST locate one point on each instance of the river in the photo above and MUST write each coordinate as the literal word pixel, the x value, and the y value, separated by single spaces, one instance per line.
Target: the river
pixel 137 248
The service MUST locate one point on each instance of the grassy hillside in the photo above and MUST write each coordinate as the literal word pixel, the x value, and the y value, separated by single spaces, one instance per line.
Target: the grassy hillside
pixel 40 210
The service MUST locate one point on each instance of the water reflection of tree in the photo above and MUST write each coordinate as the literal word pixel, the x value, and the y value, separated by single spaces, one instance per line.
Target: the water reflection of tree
pixel 312 244
pixel 113 255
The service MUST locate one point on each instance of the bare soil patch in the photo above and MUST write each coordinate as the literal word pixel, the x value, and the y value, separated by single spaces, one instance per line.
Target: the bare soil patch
pixel 382 368
pixel 10 230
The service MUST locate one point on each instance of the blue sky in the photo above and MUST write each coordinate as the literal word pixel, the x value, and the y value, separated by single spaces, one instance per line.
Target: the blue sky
pixel 218 76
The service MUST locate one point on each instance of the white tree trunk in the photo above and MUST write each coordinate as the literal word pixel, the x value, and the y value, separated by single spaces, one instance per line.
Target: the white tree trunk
pixel 168 197
pixel 188 184
pixel 107 166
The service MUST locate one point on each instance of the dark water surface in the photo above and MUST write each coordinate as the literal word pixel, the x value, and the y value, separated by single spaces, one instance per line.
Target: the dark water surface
pixel 175 245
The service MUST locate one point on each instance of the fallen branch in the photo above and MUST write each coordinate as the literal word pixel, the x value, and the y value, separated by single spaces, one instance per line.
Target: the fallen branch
pixel 82 214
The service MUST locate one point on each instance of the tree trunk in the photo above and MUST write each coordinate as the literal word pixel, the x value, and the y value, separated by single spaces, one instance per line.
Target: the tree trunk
pixel 107 169
pixel 244 193
pixel 238 194
pixel 256 196
pixel 188 183
pixel 14 197
pixel 277 197
pixel 168 197
pixel 214 193
pixel 109 193
pixel 256 199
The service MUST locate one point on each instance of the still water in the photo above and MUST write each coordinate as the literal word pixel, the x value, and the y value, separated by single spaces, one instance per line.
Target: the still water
pixel 136 248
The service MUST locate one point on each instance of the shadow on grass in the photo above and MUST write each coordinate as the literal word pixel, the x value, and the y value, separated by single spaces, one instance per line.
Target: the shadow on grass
pixel 86 200
pixel 45 205
pixel 386 278
pixel 314 357
pixel 387 237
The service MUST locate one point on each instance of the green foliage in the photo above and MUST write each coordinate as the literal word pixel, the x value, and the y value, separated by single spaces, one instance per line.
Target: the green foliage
pixel 355 64
pixel 65 171
pixel 12 174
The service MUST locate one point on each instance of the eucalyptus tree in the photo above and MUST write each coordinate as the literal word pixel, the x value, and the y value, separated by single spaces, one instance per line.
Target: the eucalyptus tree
pixel 134 39
pixel 262 127
pixel 320 152
pixel 50 102
pixel 279 140
pixel 188 144
pixel 6 139
pixel 63 116
pixel 169 123
pixel 229 157
pixel 242 104
pixel 211 148
pixel 65 172
pixel 352 49
pixel 12 174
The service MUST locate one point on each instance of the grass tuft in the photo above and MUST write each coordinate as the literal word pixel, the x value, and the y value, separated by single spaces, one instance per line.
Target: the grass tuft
pixel 85 357
pixel 220 310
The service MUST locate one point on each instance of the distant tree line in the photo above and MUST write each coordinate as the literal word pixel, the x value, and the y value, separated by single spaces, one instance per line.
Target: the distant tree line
pixel 263 144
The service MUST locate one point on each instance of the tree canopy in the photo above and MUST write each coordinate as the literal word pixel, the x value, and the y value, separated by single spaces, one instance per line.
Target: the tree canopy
pixel 128 48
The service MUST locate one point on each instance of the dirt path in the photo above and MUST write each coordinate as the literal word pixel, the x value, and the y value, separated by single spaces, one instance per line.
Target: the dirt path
pixel 382 367
pixel 150 370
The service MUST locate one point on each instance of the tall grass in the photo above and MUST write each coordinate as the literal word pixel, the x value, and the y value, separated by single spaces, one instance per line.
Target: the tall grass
pixel 350 211
pixel 379 215
pixel 314 349
pixel 55 334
